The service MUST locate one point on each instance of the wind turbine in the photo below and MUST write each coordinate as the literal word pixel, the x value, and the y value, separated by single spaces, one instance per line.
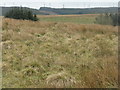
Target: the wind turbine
pixel 63 5
pixel 49 4
pixel 44 4
pixel 4 4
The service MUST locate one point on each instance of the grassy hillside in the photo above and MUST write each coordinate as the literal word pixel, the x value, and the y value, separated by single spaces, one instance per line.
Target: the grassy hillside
pixel 58 54
pixel 79 19
pixel 65 11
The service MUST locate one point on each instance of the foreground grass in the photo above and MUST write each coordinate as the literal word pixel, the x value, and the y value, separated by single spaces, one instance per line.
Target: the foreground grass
pixel 79 19
pixel 54 54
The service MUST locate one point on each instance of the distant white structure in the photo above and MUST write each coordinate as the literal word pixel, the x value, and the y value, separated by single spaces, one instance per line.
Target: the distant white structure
pixel 63 6
pixel 49 4
pixel 44 5
pixel 4 4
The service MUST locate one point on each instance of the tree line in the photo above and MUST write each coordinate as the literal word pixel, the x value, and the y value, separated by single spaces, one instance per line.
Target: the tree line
pixel 21 13
pixel 108 19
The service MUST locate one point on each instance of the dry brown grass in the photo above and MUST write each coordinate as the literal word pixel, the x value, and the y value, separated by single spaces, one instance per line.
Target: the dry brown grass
pixel 60 80
pixel 54 54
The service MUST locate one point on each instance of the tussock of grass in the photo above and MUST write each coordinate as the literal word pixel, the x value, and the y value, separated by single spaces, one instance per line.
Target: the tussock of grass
pixel 54 54
pixel 60 80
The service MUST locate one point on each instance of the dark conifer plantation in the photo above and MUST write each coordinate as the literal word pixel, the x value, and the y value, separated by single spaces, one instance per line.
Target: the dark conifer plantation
pixel 21 13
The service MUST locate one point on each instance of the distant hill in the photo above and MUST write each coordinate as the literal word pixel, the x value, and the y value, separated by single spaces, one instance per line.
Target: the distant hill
pixel 80 11
pixel 35 11
pixel 64 11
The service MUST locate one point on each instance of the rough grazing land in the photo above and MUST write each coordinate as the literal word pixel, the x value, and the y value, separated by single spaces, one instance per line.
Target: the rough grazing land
pixel 55 54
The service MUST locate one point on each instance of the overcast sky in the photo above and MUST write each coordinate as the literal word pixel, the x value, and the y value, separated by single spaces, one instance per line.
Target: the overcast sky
pixel 60 3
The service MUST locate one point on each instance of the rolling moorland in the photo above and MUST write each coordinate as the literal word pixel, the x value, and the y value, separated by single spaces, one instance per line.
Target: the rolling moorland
pixel 58 53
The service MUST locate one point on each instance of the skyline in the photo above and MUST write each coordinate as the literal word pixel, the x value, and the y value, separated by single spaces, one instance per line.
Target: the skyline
pixel 60 1
pixel 60 4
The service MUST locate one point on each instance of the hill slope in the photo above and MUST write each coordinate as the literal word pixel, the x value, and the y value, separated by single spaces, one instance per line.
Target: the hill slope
pixel 64 11
pixel 80 11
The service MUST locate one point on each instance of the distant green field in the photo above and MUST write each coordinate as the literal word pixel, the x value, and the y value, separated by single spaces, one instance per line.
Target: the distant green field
pixel 79 19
